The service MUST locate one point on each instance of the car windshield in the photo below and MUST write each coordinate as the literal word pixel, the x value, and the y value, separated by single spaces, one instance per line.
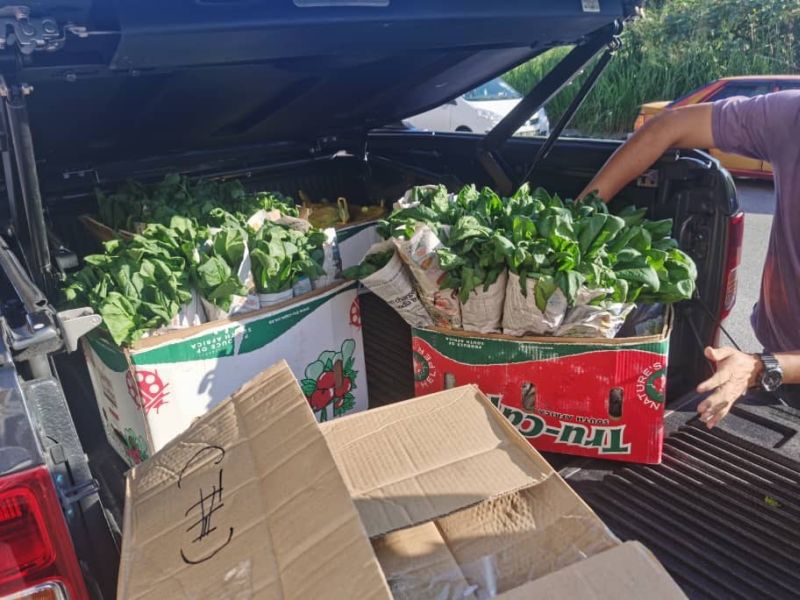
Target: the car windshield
pixel 496 89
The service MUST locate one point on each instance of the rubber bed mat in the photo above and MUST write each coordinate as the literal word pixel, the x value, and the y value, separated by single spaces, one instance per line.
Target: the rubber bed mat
pixel 721 514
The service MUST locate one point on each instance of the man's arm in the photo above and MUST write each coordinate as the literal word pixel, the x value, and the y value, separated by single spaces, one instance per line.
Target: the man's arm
pixel 686 127
pixel 736 373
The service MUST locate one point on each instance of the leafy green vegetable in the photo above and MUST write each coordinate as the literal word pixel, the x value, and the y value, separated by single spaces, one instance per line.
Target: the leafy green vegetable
pixel 194 237
pixel 281 256
pixel 562 244
pixel 372 263
pixel 217 270
pixel 137 285
pixel 203 201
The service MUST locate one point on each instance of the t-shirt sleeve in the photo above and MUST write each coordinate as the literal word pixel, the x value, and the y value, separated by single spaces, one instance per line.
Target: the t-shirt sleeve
pixel 754 127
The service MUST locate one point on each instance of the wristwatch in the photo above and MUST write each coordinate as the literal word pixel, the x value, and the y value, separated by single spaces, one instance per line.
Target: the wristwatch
pixel 772 375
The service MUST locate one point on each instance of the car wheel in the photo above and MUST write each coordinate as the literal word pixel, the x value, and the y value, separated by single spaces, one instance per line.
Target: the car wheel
pixel 463 129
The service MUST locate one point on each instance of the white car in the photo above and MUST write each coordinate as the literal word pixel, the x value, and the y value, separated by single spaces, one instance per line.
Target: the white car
pixel 479 111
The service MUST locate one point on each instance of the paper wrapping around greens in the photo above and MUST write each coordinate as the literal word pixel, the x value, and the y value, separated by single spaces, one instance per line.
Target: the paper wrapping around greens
pixel 554 247
pixel 522 314
pixel 601 320
pixel 238 305
pixel 385 275
pixel 284 252
pixel 331 261
pixel 483 310
pixel 190 314
pixel 223 272
pixel 419 253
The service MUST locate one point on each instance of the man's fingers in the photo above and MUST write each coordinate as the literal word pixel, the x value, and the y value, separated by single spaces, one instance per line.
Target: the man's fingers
pixel 717 416
pixel 716 380
pixel 714 408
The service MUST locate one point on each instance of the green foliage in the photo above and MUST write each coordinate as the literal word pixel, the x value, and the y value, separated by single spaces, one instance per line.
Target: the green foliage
pixel 190 243
pixel 371 263
pixel 677 47
pixel 137 285
pixel 207 202
pixel 281 256
pixel 560 243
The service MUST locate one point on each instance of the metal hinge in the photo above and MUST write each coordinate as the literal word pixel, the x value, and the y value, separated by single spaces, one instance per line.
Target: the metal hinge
pixel 28 33
pixel 76 493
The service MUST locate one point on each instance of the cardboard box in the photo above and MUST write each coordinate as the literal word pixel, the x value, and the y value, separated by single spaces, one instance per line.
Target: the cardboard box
pixel 626 571
pixel 151 392
pixel 590 397
pixel 256 500
pixel 354 241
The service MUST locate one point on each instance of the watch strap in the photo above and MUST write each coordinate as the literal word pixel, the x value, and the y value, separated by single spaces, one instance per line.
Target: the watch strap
pixel 769 361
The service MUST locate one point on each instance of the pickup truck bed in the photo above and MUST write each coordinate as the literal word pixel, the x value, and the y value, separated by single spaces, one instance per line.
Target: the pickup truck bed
pixel 722 512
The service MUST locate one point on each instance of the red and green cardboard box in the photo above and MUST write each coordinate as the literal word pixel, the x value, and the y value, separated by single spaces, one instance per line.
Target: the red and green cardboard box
pixel 590 397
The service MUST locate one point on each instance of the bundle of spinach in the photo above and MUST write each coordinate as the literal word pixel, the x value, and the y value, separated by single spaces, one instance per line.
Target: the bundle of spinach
pixel 372 263
pixel 281 256
pixel 474 257
pixel 562 244
pixel 217 270
pixel 176 195
pixel 137 285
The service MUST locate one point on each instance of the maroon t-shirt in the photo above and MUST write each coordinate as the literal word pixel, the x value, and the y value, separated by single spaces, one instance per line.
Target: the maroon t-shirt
pixel 768 128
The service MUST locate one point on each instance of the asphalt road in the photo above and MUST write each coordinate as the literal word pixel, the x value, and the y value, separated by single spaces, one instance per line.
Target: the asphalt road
pixel 758 202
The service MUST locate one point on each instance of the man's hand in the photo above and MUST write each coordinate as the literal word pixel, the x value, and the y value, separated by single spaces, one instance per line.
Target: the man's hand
pixel 736 373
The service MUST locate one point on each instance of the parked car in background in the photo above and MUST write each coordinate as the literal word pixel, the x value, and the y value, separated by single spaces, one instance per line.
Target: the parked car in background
pixel 741 166
pixel 479 111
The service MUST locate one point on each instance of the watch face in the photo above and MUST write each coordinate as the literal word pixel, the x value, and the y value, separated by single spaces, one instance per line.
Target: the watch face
pixel 771 380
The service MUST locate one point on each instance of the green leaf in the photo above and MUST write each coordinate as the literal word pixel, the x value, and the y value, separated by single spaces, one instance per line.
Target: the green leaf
pixel 658 229
pixel 230 245
pixel 119 317
pixel 543 290
pixel 645 275
pixel 570 282
pixel 632 215
pixel 309 386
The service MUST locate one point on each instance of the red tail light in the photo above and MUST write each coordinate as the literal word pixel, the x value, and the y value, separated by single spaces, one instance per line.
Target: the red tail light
pixel 732 262
pixel 37 559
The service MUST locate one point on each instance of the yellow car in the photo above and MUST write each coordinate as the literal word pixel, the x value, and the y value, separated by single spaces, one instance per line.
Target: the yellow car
pixel 740 166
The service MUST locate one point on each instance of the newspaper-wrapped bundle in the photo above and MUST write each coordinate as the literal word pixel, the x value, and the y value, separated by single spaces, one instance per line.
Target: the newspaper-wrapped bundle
pixel 483 310
pixel 332 261
pixel 602 320
pixel 190 315
pixel 412 195
pixel 521 315
pixel 238 304
pixel 419 253
pixel 392 284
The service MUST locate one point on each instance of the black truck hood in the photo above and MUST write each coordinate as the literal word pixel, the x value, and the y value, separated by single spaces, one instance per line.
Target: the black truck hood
pixel 135 78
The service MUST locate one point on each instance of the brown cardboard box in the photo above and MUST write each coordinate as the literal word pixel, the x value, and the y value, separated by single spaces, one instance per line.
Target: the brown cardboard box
pixel 251 502
pixel 625 571
pixel 247 503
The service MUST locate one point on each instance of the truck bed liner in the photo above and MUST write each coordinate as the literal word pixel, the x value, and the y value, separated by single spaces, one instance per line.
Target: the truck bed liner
pixel 721 512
